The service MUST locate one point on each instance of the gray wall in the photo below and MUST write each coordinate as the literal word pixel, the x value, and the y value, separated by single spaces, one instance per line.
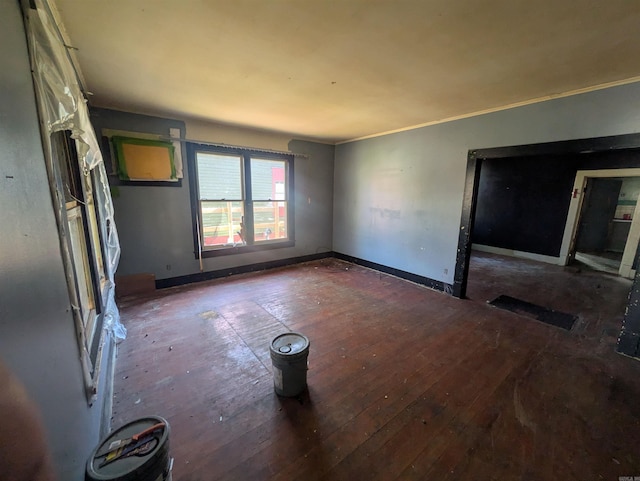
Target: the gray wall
pixel 398 198
pixel 314 198
pixel 150 220
pixel 154 223
pixel 37 332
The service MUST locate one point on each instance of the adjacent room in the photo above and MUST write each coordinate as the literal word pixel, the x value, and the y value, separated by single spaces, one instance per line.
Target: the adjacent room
pixel 249 240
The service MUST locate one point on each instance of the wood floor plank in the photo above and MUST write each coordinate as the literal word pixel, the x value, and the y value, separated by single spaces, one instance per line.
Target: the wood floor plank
pixel 404 382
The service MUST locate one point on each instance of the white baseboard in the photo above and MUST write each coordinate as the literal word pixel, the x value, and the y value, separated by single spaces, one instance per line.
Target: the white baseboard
pixel 520 254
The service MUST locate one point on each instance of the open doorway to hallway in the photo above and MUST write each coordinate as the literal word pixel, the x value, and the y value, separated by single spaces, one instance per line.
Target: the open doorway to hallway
pixel 596 246
pixel 539 208
pixel 525 208
pixel 603 222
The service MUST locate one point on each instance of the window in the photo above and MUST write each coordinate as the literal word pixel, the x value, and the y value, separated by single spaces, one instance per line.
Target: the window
pixel 75 191
pixel 241 199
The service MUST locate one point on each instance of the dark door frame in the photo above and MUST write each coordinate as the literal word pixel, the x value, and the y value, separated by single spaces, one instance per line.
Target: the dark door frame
pixel 630 337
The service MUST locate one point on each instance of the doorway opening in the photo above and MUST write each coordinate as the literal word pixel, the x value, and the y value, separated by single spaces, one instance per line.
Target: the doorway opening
pixel 596 245
pixel 604 150
pixel 603 228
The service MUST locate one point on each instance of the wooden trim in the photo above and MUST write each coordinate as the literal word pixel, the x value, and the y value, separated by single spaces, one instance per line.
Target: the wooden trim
pixel 578 146
pixel 408 276
pixel 477 113
pixel 209 275
pixel 467 218
pixel 217 274
pixel 244 249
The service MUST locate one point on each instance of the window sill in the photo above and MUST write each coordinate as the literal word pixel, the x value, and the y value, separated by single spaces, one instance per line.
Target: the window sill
pixel 229 251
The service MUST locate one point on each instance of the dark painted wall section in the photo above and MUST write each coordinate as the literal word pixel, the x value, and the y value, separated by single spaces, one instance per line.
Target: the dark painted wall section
pixel 619 159
pixel 523 202
pixel 154 223
pixel 598 208
pixel 37 331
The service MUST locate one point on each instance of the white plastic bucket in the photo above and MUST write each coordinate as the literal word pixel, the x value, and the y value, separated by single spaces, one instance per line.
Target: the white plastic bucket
pixel 289 357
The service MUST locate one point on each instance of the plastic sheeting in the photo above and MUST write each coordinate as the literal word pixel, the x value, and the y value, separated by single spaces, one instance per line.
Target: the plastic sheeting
pixel 63 104
pixel 64 107
pixel 111 319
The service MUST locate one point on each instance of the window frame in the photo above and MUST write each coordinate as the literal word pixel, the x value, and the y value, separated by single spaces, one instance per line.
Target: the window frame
pixel 73 191
pixel 246 155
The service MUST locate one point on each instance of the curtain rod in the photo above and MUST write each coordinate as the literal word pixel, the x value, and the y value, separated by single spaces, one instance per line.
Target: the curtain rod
pixel 231 146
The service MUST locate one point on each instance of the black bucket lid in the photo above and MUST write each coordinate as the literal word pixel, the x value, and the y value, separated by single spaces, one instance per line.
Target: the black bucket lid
pixel 289 344
pixel 133 467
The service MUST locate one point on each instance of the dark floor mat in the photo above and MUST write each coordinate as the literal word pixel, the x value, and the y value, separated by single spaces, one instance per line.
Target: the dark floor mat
pixel 542 314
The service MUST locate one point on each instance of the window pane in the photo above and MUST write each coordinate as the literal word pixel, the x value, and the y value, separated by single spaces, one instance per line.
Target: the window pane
pixel 221 223
pixel 81 261
pixel 268 179
pixel 219 176
pixel 270 221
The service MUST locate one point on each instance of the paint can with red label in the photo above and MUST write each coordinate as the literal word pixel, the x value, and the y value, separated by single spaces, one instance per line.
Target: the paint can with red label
pixel 137 451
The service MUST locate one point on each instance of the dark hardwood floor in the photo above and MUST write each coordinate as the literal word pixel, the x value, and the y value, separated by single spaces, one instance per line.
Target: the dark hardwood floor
pixel 404 382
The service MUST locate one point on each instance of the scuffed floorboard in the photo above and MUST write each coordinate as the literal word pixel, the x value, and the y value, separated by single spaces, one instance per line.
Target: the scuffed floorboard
pixel 404 382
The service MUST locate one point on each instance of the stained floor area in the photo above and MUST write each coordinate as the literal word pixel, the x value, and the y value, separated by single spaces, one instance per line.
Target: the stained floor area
pixel 404 382
pixel 598 299
pixel 600 261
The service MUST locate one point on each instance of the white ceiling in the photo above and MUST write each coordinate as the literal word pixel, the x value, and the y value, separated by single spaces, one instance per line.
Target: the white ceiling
pixel 334 70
